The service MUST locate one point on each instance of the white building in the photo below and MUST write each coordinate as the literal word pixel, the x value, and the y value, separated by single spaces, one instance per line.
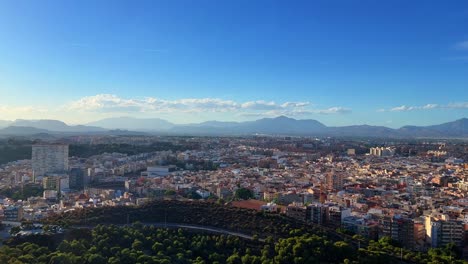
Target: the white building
pixel 269 207
pixel 158 171
pixel 203 193
pixel 382 152
pixel 50 194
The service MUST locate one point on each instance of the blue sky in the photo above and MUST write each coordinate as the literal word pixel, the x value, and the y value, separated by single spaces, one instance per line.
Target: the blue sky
pixel 386 63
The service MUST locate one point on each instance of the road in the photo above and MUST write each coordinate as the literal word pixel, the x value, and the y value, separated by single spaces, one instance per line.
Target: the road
pixel 202 228
pixel 213 230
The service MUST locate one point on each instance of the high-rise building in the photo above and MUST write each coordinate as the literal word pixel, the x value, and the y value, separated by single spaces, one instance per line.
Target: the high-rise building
pixel 51 183
pixel 317 213
pixel 399 228
pixel 382 152
pixel 77 178
pixel 13 213
pixel 49 158
pixel 334 180
pixel 336 214
pixel 361 226
pixel 441 230
pixel 297 211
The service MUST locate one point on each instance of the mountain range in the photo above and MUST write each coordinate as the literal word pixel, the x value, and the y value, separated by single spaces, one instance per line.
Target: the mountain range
pixel 55 125
pixel 272 126
pixel 136 124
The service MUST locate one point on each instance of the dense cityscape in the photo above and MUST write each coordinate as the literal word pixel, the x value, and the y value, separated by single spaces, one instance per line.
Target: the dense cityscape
pixel 414 192
pixel 233 132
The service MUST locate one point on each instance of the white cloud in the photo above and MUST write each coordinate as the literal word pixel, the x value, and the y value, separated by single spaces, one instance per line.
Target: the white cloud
pixel 108 103
pixel 404 108
pixel 295 104
pixel 430 106
pixel 251 114
pixel 334 110
pixel 113 103
pixel 462 105
pixel 298 112
pixel 463 45
pixel 260 105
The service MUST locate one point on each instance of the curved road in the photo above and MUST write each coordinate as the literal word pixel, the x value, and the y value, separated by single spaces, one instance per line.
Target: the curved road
pixel 192 227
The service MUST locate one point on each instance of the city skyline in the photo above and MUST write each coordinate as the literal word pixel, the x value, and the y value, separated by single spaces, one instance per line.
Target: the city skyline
pixel 389 64
pixel 265 131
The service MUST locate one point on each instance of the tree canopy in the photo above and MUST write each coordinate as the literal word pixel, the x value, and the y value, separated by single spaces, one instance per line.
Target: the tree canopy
pixel 244 194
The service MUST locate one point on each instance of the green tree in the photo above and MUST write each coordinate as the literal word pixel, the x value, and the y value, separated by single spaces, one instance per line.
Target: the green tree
pixel 96 259
pixel 234 259
pixel 169 192
pixel 243 194
pixel 137 245
pixel 15 230
pixel 65 258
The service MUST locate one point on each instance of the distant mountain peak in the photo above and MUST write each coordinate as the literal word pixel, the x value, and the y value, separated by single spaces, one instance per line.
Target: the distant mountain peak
pixel 39 121
pixel 283 117
pixel 132 123
pixel 53 125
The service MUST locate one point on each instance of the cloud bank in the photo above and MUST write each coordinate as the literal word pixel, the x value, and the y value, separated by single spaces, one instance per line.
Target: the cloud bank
pixel 405 108
pixel 109 103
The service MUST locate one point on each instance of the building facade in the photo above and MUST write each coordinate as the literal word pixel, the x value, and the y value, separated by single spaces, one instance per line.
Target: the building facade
pixel 76 178
pixel 51 158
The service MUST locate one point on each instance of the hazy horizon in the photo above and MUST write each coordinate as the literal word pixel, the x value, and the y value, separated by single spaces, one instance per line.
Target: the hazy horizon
pixel 194 123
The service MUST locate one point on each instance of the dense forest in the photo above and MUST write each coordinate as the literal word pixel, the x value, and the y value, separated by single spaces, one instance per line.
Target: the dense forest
pixel 277 239
pixel 140 243
pixel 147 244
